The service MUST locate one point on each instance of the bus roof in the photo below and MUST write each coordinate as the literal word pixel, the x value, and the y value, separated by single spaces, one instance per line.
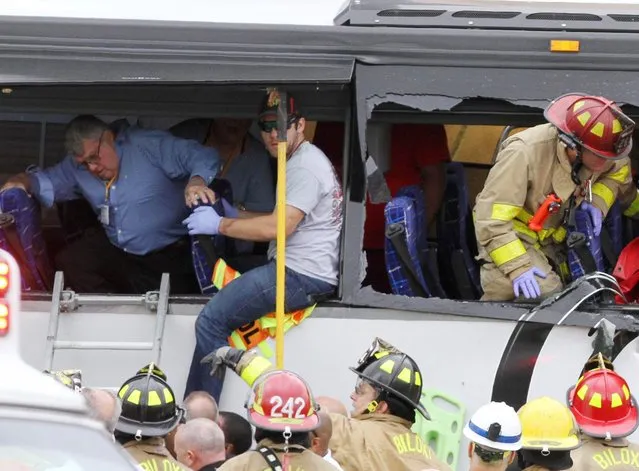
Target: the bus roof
pixel 89 51
pixel 619 15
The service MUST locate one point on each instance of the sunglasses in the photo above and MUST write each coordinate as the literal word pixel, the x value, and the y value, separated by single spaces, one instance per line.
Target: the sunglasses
pixel 270 126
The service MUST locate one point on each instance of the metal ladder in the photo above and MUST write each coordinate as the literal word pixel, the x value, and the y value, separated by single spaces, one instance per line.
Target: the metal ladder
pixel 65 301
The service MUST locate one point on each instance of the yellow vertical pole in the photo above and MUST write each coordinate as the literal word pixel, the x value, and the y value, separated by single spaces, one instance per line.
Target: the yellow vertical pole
pixel 282 115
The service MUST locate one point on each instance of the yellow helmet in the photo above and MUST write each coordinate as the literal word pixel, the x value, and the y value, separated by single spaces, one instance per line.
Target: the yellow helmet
pixel 547 425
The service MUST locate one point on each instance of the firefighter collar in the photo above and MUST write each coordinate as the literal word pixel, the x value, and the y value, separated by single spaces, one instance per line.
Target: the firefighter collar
pixel 152 446
pixel 383 418
pixel 280 446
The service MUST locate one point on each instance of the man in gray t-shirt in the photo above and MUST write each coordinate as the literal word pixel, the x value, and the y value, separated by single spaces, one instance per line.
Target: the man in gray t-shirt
pixel 312 187
pixel 314 208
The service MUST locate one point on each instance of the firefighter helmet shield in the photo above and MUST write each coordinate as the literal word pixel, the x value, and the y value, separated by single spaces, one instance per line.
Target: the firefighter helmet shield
pixel 602 404
pixel 547 425
pixel 148 406
pixel 594 122
pixel 495 426
pixel 394 372
pixel 154 369
pixel 281 399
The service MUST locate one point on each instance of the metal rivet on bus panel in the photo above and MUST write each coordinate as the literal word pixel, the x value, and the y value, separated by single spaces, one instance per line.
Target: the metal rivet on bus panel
pixel 563 25
pixel 471 22
pixel 376 21
pixel 7 91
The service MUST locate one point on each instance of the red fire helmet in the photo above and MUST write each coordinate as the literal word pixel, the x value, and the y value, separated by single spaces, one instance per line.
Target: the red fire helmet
pixel 594 122
pixel 626 271
pixel 602 404
pixel 281 399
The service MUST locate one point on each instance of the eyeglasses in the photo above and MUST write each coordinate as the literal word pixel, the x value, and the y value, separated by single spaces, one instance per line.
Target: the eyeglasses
pixel 360 388
pixel 93 159
pixel 270 126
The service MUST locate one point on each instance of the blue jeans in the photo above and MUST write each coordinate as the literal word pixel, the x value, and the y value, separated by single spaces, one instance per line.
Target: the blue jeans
pixel 244 300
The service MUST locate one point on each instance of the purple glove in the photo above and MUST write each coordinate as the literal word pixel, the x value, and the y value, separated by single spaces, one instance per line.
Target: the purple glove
pixel 596 216
pixel 230 211
pixel 527 284
pixel 203 220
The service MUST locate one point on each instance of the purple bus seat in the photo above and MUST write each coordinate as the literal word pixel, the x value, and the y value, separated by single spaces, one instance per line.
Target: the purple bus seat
pixel 21 235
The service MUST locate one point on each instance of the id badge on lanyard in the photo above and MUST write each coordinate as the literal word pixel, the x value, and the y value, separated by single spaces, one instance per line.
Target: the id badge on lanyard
pixel 105 217
pixel 104 214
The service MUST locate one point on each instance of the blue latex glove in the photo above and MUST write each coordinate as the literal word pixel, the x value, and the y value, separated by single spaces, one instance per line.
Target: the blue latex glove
pixel 203 220
pixel 230 211
pixel 527 284
pixel 596 216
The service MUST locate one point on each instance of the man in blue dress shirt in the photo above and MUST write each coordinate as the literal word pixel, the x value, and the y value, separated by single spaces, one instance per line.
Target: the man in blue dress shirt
pixel 137 181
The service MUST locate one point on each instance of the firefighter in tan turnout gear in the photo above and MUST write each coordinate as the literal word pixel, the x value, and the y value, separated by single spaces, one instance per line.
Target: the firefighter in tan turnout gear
pixel 283 411
pixel 606 413
pixel 378 436
pixel 149 413
pixel 542 174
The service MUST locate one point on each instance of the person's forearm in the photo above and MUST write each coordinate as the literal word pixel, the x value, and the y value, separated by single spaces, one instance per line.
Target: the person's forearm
pixel 20 179
pixel 243 214
pixel 257 229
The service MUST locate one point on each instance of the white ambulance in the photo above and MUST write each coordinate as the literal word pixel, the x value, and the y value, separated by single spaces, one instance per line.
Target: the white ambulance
pixel 44 426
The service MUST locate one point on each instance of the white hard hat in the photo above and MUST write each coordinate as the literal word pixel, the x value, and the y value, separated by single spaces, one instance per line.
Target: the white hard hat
pixel 495 425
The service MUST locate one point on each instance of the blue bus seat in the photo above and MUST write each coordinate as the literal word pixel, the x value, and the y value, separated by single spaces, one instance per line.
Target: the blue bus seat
pixel 21 235
pixel 457 246
pixel 401 249
pixel 612 237
pixel 417 195
pixel 206 250
pixel 614 225
pixel 583 224
pixel 427 251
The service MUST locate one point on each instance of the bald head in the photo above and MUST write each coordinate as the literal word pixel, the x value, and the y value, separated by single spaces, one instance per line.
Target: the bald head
pixel 322 434
pixel 104 405
pixel 332 405
pixel 200 404
pixel 199 442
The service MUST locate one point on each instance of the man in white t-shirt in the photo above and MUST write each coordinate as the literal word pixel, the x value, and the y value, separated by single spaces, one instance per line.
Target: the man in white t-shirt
pixel 314 205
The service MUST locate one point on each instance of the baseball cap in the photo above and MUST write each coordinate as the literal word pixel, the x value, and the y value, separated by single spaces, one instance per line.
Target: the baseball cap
pixel 271 101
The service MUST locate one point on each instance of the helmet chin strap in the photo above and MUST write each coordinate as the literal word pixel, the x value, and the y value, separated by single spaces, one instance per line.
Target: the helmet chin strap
pixel 572 144
pixel 372 407
pixel 374 404
pixel 576 167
